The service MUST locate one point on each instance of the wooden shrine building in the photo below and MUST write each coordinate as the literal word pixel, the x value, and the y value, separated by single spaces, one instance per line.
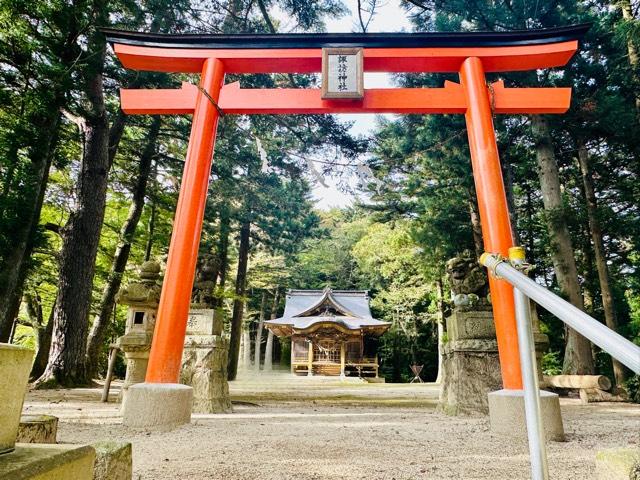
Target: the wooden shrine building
pixel 332 332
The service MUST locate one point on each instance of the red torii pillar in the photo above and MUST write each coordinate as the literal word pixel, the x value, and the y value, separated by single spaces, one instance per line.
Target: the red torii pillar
pixel 213 55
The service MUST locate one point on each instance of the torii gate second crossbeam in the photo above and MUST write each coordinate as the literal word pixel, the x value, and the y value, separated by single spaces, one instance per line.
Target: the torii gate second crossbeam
pixel 471 55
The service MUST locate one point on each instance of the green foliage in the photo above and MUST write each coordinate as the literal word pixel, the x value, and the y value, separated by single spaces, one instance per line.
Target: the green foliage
pixel 551 363
pixel 632 387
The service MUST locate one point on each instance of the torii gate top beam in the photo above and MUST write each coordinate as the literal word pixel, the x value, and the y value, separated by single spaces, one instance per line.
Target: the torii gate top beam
pixel 383 52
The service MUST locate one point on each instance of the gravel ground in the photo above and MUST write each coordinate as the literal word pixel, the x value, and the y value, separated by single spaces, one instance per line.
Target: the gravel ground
pixel 306 430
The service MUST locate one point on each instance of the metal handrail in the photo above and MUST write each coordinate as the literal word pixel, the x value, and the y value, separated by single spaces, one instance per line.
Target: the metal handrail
pixel 611 342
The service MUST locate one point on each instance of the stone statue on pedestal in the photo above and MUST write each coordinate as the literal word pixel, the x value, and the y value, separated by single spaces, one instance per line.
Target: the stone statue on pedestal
pixel 206 350
pixel 469 285
pixel 470 363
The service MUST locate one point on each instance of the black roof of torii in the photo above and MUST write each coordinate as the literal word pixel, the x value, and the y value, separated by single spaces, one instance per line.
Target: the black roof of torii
pixel 366 40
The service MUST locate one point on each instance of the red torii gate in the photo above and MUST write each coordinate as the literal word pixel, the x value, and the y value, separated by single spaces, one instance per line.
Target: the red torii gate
pixel 471 55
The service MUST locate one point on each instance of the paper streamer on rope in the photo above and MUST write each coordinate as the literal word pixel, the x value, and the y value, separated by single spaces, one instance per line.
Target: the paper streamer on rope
pixel 366 176
pixel 263 156
pixel 319 178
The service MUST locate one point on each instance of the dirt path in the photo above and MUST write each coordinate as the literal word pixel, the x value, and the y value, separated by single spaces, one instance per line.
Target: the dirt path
pixel 333 431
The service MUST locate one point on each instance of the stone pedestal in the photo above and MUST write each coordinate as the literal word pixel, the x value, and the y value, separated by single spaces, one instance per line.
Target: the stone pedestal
pixel 507 414
pixel 48 462
pixel 38 429
pixel 618 464
pixel 470 363
pixel 136 347
pixel 160 406
pixel 113 461
pixel 15 365
pixel 204 362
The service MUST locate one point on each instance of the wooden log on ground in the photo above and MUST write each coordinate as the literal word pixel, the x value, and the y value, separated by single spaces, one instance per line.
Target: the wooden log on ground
pixel 594 395
pixel 578 381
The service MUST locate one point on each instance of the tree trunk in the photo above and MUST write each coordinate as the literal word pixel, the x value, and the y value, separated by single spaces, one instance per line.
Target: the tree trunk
pixel 440 320
pixel 268 351
pixel 238 302
pixel 632 52
pixel 121 256
pixel 258 339
pixel 577 357
pixel 151 226
pixel 476 227
pixel 223 254
pixel 246 347
pixel 599 251
pixel 16 261
pixel 511 201
pixel 81 236
pixel 44 345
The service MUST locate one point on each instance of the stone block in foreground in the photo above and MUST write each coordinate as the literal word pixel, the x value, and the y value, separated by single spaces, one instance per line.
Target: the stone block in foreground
pixel 37 429
pixel 160 406
pixel 204 368
pixel 507 416
pixel 470 363
pixel 618 464
pixel 48 462
pixel 15 365
pixel 113 461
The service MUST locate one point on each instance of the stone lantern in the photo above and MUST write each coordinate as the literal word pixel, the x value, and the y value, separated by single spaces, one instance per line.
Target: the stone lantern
pixel 142 298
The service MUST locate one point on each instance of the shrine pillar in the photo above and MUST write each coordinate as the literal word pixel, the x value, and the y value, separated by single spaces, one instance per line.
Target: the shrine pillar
pixel 343 355
pixel 161 401
pixel 506 407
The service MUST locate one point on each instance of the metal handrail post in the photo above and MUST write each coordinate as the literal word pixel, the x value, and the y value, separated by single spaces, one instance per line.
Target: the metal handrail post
pixel 611 342
pixel 532 407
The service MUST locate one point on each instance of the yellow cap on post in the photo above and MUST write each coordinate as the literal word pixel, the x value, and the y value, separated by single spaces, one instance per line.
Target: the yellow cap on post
pixel 516 253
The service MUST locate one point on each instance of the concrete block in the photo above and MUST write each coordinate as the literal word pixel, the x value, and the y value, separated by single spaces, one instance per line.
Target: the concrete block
pixel 15 365
pixel 38 429
pixel 161 406
pixel 507 415
pixel 113 461
pixel 618 464
pixel 48 462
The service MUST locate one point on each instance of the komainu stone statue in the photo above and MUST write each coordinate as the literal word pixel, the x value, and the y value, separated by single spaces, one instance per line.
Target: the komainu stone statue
pixel 469 285
pixel 205 281
pixel 470 363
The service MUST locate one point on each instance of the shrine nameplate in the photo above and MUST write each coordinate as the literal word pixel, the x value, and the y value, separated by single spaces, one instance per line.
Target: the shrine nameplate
pixel 342 75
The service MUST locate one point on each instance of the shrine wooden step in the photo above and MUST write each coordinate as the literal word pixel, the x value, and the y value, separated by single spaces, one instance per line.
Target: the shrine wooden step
pixel 329 369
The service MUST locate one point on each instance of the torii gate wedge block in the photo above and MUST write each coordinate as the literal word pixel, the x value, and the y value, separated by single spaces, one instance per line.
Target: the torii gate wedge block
pixel 470 54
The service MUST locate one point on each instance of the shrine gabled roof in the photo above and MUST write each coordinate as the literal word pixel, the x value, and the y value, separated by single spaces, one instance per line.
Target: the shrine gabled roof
pixel 303 312
pixel 350 323
pixel 353 303
pixel 366 40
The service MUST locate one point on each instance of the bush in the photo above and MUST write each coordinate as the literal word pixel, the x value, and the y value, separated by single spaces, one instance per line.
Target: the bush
pixel 551 363
pixel 633 388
